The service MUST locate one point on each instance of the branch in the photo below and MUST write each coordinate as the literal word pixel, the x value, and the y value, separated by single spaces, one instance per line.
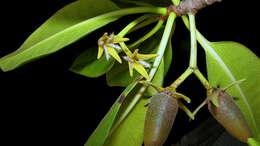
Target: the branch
pixel 192 6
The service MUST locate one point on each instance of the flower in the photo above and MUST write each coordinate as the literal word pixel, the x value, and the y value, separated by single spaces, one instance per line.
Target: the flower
pixel 108 44
pixel 136 61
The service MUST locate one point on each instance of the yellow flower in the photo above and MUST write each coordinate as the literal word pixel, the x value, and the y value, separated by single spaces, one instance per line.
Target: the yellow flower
pixel 108 44
pixel 136 61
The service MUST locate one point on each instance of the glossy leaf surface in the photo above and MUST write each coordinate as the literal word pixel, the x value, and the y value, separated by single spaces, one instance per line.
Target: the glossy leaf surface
pixel 228 62
pixel 130 131
pixel 65 27
pixel 88 65
pixel 99 136
pixel 119 75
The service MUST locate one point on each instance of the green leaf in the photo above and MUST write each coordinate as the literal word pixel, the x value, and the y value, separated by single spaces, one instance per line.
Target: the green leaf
pixel 119 75
pixel 230 61
pixel 99 136
pixel 65 27
pixel 130 131
pixel 167 57
pixel 88 65
pixel 101 133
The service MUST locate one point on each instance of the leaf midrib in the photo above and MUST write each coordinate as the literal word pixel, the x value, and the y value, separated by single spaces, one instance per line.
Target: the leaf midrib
pixel 57 34
pixel 118 13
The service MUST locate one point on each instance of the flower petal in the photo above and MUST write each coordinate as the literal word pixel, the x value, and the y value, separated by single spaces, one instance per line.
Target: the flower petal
pixel 100 52
pixel 146 56
pixel 135 53
pixel 117 47
pixel 110 37
pixel 104 37
pixel 114 54
pixel 144 63
pixel 119 40
pixel 106 53
pixel 139 68
pixel 126 50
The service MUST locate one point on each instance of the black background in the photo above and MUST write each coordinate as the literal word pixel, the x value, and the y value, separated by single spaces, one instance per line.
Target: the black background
pixel 42 103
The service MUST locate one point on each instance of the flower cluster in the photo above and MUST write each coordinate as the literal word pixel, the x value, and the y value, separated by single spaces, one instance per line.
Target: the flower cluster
pixel 110 45
pixel 137 61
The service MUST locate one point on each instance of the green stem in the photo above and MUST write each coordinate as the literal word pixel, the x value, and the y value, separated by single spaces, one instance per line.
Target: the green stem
pixel 131 25
pixel 125 49
pixel 163 44
pixel 148 35
pixel 187 73
pixel 199 107
pixel 178 81
pixel 144 23
pixel 124 31
pixel 198 37
pixel 160 52
pixel 193 52
pixel 193 56
pixel 181 96
pixel 202 79
pixel 136 10
pixel 186 21
pixel 186 110
pixel 157 88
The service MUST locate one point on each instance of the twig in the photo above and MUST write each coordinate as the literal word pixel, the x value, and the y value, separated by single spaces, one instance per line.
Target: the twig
pixel 192 6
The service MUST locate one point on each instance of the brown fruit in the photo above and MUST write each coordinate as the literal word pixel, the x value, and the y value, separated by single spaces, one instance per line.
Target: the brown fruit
pixel 229 115
pixel 159 118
